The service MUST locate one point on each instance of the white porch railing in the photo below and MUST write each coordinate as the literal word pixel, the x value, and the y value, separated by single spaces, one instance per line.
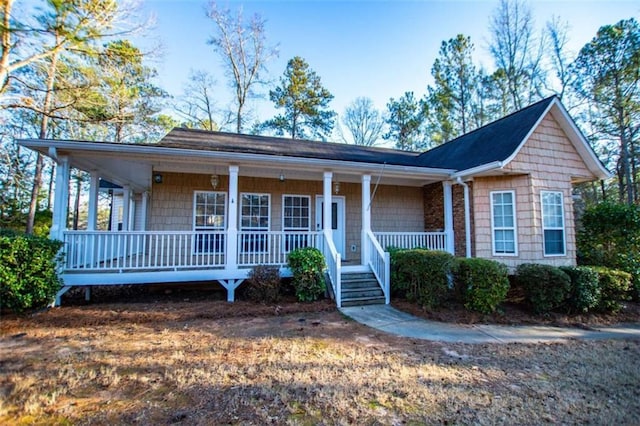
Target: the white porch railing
pixel 409 240
pixel 103 250
pixel 175 250
pixel 272 247
pixel 380 264
pixel 334 264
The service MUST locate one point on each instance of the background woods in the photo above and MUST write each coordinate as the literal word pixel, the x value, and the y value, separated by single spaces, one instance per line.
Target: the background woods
pixel 76 70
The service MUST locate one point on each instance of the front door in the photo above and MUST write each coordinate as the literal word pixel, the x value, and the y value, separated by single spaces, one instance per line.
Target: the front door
pixel 337 220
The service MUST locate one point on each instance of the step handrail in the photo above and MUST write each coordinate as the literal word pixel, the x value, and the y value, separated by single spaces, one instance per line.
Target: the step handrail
pixel 380 264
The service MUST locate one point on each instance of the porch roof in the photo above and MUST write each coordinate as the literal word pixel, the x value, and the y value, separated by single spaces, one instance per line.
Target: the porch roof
pixel 203 140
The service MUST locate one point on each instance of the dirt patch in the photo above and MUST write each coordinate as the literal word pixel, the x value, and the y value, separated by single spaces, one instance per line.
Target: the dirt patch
pixel 210 362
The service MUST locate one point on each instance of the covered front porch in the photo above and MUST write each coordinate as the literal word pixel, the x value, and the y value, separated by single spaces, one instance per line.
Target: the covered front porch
pixel 213 218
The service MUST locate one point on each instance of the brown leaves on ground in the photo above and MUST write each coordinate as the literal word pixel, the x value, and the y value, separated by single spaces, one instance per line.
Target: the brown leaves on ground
pixel 211 362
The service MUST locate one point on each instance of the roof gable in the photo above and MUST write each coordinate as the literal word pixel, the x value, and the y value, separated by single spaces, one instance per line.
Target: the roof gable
pixel 496 144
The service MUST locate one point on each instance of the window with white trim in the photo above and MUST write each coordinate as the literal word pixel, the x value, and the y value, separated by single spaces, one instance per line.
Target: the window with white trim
pixel 553 223
pixel 296 216
pixel 255 212
pixel 209 214
pixel 503 223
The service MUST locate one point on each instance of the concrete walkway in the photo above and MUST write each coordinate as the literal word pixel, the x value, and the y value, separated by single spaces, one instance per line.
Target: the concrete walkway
pixel 391 320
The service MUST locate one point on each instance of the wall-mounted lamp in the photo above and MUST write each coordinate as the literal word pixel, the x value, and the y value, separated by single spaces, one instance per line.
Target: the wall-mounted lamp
pixel 215 180
pixel 336 187
pixel 157 178
pixel 281 177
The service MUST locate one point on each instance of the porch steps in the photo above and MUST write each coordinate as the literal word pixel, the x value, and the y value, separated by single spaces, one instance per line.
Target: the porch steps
pixel 361 288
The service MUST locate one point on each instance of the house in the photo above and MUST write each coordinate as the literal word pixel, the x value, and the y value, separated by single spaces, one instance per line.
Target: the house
pixel 203 205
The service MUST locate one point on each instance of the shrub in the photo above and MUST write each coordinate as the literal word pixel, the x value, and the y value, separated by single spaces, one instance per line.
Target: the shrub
pixel 264 284
pixel 610 237
pixel 614 286
pixel 398 289
pixel 584 294
pixel 483 284
pixel 546 287
pixel 423 275
pixel 307 265
pixel 28 271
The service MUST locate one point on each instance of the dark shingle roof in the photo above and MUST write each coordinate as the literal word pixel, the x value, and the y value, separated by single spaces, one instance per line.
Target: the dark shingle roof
pixel 232 142
pixel 496 141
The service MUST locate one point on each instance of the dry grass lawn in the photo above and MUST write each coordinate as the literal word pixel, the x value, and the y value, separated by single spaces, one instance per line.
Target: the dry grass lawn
pixel 199 363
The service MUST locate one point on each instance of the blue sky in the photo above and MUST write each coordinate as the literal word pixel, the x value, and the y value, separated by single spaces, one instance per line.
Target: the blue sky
pixel 378 49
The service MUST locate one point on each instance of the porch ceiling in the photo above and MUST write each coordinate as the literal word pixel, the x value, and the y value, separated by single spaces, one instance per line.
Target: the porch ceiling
pixel 134 165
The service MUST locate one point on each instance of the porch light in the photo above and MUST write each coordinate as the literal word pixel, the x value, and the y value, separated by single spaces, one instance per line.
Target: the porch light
pixel 215 180
pixel 336 187
pixel 157 178
pixel 281 177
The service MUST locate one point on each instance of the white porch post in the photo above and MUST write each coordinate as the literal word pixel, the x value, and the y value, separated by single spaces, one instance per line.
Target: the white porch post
pixel 94 187
pixel 326 208
pixel 231 257
pixel 132 212
pixel 366 218
pixel 144 207
pixel 448 217
pixel 467 220
pixel 126 199
pixel 61 200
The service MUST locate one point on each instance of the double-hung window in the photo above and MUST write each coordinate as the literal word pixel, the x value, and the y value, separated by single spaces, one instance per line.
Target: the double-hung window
pixel 296 214
pixel 209 217
pixel 254 216
pixel 553 223
pixel 503 223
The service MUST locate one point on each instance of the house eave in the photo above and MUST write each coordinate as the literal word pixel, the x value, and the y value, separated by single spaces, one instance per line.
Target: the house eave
pixel 478 170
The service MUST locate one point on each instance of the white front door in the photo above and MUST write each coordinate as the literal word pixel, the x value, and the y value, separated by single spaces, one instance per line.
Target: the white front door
pixel 337 220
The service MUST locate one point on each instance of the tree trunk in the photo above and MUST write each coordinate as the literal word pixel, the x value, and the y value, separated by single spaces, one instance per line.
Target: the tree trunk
pixel 76 203
pixel 51 179
pixel 44 124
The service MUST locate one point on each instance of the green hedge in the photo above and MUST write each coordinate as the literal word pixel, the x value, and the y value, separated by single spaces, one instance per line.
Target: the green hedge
pixel 308 266
pixel 615 286
pixel 482 284
pixel 28 271
pixel 610 237
pixel 423 276
pixel 546 287
pixel 584 294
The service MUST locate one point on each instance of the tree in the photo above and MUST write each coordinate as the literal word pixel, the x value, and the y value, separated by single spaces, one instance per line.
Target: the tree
pixel 58 26
pixel 363 121
pixel 244 52
pixel 514 51
pixel 453 96
pixel 71 28
pixel 608 78
pixel 305 102
pixel 405 118
pixel 559 57
pixel 124 98
pixel 197 104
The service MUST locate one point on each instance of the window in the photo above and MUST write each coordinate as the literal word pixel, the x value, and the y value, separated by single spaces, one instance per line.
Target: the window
pixel 254 216
pixel 553 223
pixel 503 224
pixel 209 214
pixel 296 213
